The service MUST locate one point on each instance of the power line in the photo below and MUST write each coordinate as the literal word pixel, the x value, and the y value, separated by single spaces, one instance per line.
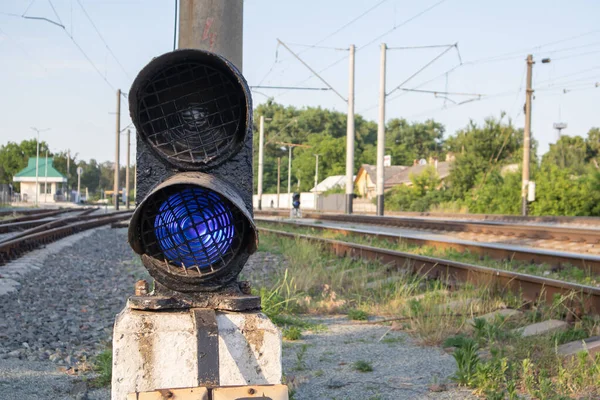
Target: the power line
pixel 55 13
pixel 272 65
pixel 576 55
pixel 421 69
pixel 442 92
pixel 312 46
pixel 102 38
pixel 396 26
pixel 74 42
pixel 289 87
pixel 435 46
pixel 346 25
pixel 23 50
pixel 322 40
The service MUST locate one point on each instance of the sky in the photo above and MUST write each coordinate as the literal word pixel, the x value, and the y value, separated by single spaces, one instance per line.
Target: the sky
pixel 65 79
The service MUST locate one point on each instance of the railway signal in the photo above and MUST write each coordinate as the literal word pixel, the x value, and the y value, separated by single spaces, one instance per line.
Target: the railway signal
pixel 193 228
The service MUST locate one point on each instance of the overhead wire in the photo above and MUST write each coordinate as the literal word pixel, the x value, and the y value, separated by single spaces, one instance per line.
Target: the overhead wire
pixel 401 24
pixel 102 38
pixel 327 37
pixel 73 40
pixel 421 69
pixel 396 26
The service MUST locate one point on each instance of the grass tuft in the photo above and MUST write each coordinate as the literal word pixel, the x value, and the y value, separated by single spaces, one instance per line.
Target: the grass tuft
pixel 357 315
pixel 103 366
pixel 292 333
pixel 362 366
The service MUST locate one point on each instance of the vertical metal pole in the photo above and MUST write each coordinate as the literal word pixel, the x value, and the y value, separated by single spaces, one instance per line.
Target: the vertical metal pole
pixel 261 144
pixel 127 169
pixel 290 178
pixel 316 178
pixel 213 25
pixel 278 180
pixel 527 137
pixel 68 174
pixel 135 183
pixel 381 132
pixel 78 187
pixel 350 136
pixel 46 179
pixel 117 146
pixel 37 164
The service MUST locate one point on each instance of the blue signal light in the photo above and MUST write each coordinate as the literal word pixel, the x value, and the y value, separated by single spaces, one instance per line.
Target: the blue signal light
pixel 194 228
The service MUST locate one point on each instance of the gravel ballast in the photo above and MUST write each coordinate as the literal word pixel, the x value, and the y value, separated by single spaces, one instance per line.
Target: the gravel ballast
pixel 62 313
pixel 63 309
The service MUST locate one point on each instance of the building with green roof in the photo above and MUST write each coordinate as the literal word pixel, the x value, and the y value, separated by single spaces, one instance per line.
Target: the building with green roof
pixel 51 182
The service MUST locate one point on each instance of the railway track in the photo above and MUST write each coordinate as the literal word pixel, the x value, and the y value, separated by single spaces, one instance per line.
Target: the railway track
pixel 531 288
pixel 545 232
pixel 30 221
pixel 50 231
pixel 548 219
pixel 554 259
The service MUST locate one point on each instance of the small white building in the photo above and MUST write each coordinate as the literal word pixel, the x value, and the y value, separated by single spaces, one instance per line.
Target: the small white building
pixel 51 183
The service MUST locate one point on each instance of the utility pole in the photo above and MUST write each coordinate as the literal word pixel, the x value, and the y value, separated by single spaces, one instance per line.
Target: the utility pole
pixel 290 177
pixel 527 137
pixel 381 132
pixel 213 25
pixel 117 148
pixel 290 147
pixel 37 163
pixel 261 143
pixel 46 179
pixel 316 178
pixel 135 183
pixel 68 174
pixel 350 136
pixel 278 180
pixel 127 169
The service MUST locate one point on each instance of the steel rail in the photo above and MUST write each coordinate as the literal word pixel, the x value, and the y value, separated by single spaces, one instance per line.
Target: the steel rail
pixel 8 224
pixel 591 236
pixel 60 222
pixel 546 219
pixel 24 211
pixel 30 222
pixel 497 252
pixel 530 287
pixel 14 248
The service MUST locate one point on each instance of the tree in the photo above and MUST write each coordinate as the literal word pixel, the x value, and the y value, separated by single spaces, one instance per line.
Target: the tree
pixel 593 146
pixel 568 152
pixel 407 142
pixel 479 149
pixel 60 163
pixel 323 129
pixel 14 157
pixel 560 192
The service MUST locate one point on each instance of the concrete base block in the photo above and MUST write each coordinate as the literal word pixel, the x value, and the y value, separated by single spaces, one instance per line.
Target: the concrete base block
pixel 173 349
pixel 542 328
pixel 491 317
pixel 589 345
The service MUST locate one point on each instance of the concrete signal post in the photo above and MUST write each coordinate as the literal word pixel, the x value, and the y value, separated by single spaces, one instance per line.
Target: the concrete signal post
pixel 199 333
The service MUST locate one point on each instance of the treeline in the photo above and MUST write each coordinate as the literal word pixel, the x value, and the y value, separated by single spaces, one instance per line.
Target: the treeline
pixel 484 178
pixel 95 177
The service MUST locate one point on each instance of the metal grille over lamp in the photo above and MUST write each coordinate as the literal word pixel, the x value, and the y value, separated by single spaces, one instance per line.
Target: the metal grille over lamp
pixel 194 227
pixel 190 109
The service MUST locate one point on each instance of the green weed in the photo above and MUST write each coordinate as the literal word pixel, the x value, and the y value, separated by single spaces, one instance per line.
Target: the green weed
pixel 357 315
pixel 362 366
